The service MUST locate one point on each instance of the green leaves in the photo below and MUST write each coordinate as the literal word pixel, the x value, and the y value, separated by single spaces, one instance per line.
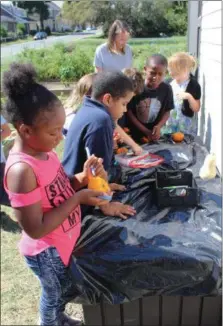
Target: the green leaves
pixel 146 18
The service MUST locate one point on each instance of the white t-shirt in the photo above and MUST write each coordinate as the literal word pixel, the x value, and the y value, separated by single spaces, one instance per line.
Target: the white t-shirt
pixel 69 119
pixel 109 61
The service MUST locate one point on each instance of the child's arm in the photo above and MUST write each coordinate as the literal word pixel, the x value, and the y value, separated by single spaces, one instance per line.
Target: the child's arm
pixel 22 180
pixel 193 103
pixel 98 69
pixel 156 129
pixel 128 140
pixel 138 124
pixel 5 131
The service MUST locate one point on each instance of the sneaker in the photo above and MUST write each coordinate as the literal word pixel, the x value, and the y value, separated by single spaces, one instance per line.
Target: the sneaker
pixel 65 320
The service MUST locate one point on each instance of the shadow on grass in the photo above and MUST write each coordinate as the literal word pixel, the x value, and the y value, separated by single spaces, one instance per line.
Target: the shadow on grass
pixel 8 225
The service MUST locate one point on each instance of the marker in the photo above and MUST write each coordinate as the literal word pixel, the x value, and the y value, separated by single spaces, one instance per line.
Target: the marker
pixel 175 187
pixel 88 155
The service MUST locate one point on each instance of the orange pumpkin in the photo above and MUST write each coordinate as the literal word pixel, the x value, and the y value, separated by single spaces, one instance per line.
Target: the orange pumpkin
pixel 178 137
pixel 122 150
pixel 126 130
pixel 145 140
pixel 99 184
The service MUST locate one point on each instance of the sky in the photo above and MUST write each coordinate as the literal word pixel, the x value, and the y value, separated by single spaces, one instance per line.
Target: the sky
pixel 59 3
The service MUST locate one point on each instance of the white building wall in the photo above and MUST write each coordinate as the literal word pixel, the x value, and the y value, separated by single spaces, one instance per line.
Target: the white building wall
pixel 210 67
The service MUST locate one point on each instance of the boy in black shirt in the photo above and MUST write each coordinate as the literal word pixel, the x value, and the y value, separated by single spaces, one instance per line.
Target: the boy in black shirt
pixel 149 111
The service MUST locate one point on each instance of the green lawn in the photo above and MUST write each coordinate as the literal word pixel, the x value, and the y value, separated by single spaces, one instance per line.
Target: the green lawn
pixel 28 39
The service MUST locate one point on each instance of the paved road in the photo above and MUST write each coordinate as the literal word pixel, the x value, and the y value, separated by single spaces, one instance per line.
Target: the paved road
pixel 10 50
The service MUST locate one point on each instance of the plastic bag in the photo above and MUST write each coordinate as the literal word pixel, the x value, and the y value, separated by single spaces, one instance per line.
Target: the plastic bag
pixel 143 161
pixel 156 252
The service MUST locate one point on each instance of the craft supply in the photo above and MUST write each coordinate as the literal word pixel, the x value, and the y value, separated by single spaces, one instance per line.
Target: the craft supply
pixel 144 160
pixel 208 170
pixel 175 187
pixel 98 183
pixel 88 155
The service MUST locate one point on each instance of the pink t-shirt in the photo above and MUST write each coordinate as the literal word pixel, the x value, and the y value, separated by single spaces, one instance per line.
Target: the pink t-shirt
pixel 53 188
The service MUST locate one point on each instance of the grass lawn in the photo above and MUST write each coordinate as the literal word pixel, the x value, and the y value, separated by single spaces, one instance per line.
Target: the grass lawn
pixel 28 39
pixel 19 288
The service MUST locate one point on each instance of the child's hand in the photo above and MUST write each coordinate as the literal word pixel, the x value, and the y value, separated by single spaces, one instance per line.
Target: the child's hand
pixel 156 132
pixel 137 150
pixel 90 197
pixel 116 187
pixel 182 96
pixel 94 163
pixel 118 209
pixel 117 138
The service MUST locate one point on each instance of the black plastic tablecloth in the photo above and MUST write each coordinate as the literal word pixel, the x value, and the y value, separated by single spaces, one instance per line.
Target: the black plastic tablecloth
pixel 156 252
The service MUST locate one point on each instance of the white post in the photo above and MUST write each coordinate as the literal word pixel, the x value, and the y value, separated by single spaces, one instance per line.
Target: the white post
pixel 193 27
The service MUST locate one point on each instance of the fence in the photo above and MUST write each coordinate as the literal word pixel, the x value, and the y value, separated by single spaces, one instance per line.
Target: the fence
pixel 157 311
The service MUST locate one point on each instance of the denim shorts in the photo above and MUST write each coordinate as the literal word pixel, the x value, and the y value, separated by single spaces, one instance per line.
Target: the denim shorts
pixel 58 287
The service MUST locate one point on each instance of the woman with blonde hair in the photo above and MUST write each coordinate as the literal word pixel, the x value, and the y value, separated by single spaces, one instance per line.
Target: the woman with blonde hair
pixel 115 54
pixel 74 101
pixel 186 94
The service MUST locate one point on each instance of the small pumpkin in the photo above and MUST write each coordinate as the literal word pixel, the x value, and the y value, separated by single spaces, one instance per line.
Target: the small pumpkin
pixel 122 150
pixel 126 130
pixel 178 137
pixel 145 140
pixel 99 184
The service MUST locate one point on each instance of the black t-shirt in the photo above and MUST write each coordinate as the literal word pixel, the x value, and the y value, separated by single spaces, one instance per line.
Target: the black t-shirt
pixel 150 106
pixel 194 89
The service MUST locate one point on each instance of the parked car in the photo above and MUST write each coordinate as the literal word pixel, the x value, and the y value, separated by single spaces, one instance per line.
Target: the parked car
pixel 78 29
pixel 40 36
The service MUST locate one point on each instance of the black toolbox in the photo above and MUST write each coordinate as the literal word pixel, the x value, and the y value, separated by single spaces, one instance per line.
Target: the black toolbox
pixel 176 188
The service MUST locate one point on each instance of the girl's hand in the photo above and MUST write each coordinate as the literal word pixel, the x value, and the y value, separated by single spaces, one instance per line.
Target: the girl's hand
pixel 116 187
pixel 118 209
pixel 90 197
pixel 96 164
pixel 182 95
pixel 137 150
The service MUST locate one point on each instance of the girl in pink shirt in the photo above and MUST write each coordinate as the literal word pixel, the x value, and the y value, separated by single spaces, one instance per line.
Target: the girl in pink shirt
pixel 43 197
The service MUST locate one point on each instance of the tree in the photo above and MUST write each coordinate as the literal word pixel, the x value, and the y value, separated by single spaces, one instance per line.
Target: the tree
pixel 38 7
pixel 21 29
pixel 3 31
pixel 177 17
pixel 146 18
pixel 81 12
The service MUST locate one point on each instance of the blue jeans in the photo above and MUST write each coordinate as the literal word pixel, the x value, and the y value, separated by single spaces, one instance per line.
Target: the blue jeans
pixel 57 285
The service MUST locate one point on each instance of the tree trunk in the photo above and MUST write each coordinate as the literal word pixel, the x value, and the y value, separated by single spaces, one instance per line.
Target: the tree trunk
pixel 41 23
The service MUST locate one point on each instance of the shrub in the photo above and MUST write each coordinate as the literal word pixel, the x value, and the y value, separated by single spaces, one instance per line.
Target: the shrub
pixel 12 35
pixel 69 62
pixel 48 30
pixel 3 31
pixel 59 64
pixel 21 29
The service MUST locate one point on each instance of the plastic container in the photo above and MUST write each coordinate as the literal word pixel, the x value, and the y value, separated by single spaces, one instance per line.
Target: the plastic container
pixel 176 188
